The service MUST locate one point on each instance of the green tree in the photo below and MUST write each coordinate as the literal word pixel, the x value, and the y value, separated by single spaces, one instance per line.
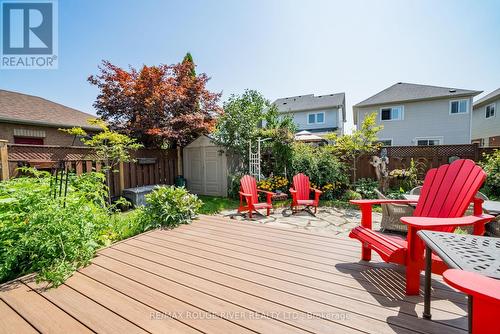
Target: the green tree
pixel 280 129
pixel 239 122
pixel 111 147
pixel 188 59
pixel 363 141
pixel 248 117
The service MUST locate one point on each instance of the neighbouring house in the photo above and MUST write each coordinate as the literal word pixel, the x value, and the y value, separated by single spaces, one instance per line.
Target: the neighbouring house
pixel 321 114
pixel 485 121
pixel 28 119
pixel 420 114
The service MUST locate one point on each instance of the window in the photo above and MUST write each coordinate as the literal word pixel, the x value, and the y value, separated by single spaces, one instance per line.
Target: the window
pixel 431 141
pixel 490 110
pixel 458 107
pixel 316 118
pixel 385 142
pixel 391 113
pixel 28 141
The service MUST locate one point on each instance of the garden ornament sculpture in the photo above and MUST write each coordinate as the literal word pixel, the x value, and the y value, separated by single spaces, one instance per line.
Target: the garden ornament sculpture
pixel 380 164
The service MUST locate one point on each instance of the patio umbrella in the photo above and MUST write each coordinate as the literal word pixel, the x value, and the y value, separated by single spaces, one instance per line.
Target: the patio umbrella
pixel 308 137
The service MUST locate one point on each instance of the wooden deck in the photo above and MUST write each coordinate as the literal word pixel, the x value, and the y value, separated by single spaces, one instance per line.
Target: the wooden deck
pixel 223 276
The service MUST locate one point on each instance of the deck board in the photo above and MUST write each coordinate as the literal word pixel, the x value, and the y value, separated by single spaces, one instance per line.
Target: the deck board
pixel 11 322
pixel 223 276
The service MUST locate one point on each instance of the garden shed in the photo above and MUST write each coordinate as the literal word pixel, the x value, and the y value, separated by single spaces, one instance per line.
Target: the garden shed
pixel 205 167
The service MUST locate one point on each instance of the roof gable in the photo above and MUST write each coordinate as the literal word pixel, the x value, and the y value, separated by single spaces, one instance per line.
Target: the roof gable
pixel 403 92
pixel 28 109
pixel 487 99
pixel 309 102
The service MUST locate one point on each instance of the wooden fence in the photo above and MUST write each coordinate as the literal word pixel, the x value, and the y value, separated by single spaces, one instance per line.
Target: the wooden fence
pixel 426 157
pixel 151 166
pixel 158 166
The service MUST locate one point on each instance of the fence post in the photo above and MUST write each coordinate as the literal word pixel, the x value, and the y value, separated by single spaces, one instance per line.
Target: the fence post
pixel 4 159
pixel 477 156
pixel 121 177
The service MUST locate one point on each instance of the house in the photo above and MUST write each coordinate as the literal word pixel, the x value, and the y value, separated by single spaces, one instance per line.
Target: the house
pixel 28 119
pixel 485 121
pixel 420 114
pixel 319 114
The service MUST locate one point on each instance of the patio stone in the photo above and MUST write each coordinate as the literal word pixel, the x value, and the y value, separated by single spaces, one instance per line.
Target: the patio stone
pixel 327 220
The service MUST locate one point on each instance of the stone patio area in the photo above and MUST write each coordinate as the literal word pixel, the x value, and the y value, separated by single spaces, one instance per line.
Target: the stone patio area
pixel 328 219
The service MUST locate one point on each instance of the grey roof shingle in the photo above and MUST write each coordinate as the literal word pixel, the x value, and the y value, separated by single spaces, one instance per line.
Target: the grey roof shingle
pixel 403 92
pixel 308 102
pixel 28 109
pixel 487 98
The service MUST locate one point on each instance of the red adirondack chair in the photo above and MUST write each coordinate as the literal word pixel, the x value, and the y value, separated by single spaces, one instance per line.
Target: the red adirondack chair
pixel 445 196
pixel 249 196
pixel 301 191
pixel 485 294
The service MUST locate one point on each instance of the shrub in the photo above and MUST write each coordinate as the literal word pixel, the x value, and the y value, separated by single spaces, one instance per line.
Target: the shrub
pixel 169 207
pixel 325 171
pixel 274 183
pixel 53 236
pixel 396 193
pixel 491 165
pixel 407 179
pixel 233 182
pixel 366 187
pixel 124 225
pixel 352 195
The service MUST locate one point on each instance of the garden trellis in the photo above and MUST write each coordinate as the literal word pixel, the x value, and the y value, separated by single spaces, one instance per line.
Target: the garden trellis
pixel 254 159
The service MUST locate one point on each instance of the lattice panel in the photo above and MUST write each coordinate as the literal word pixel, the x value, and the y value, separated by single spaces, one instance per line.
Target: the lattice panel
pixel 46 153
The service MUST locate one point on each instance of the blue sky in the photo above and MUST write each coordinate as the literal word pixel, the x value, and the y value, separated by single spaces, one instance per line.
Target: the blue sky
pixel 281 48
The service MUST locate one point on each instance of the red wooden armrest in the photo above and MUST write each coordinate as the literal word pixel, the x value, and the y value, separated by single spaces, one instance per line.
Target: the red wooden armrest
pixel 269 195
pixel 246 195
pixel 292 191
pixel 473 284
pixel 425 222
pixel 266 192
pixel 380 201
pixel 316 190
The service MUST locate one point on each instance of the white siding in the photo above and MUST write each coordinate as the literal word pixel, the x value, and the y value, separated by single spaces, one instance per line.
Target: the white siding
pixel 424 119
pixel 332 118
pixel 483 127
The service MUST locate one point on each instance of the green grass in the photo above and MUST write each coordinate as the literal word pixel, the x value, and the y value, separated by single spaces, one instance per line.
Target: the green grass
pixel 212 204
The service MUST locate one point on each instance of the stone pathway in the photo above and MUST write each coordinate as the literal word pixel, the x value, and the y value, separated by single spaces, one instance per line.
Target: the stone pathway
pixel 327 220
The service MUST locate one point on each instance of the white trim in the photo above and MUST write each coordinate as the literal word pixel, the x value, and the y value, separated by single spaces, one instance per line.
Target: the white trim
pixel 459 113
pixel 402 107
pixel 494 110
pixel 471 106
pixel 440 138
pixel 386 139
pixel 316 113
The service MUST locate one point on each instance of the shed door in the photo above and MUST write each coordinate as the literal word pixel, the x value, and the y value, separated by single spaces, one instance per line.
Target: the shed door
pixel 213 172
pixel 195 170
pixel 205 171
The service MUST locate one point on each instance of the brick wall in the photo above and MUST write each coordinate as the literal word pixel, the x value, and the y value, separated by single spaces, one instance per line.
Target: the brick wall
pixel 52 136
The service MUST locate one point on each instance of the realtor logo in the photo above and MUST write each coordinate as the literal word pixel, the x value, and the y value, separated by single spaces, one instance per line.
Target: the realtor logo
pixel 29 35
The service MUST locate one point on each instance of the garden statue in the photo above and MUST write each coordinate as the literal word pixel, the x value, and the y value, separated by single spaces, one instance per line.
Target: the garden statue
pixel 380 164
